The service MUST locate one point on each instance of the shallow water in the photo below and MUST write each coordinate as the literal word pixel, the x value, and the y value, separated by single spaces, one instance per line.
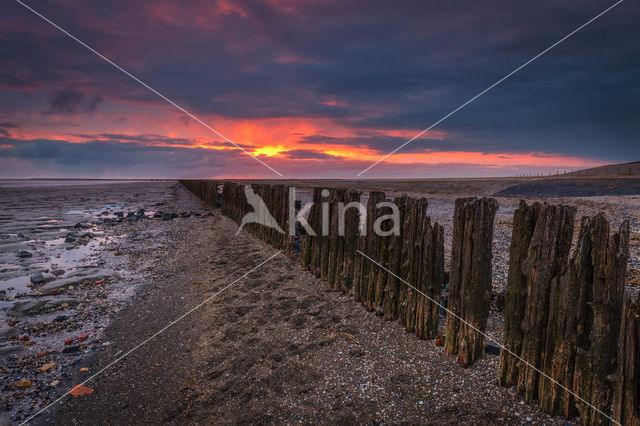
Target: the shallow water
pixel 38 216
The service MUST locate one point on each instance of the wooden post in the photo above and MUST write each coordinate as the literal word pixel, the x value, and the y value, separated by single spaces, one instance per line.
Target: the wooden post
pixel 598 343
pixel 470 286
pixel 626 395
pixel 524 222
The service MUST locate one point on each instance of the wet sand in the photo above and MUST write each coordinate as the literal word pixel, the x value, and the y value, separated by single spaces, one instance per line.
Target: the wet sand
pixel 85 265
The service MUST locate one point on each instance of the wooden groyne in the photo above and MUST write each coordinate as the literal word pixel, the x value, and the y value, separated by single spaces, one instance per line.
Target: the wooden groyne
pixel 206 190
pixel 269 218
pixel 571 338
pixel 562 318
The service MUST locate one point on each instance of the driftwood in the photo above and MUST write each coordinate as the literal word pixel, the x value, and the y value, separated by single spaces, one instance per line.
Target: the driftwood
pixel 470 277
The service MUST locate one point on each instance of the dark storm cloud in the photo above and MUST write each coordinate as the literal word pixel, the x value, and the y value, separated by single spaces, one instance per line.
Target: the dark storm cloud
pixel 152 139
pixel 65 102
pixel 107 158
pixel 4 129
pixel 366 64
pixel 69 101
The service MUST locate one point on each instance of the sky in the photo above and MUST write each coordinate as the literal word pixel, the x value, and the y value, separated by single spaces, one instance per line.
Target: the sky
pixel 316 89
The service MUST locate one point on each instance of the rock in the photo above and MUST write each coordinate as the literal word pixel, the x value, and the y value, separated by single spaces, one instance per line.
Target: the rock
pixel 48 366
pixel 71 349
pixel 58 272
pixel 33 307
pixel 24 383
pixel 77 278
pixel 37 278
pixel 69 239
pixel 6 351
pixel 29 307
pixel 57 303
pixel 23 254
pixel 80 390
pixel 60 318
pixel 6 332
pixel 492 349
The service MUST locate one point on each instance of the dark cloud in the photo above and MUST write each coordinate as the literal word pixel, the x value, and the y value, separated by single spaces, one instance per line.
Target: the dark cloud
pixel 361 64
pixel 50 157
pixel 69 101
pixel 152 139
pixel 65 102
pixel 4 127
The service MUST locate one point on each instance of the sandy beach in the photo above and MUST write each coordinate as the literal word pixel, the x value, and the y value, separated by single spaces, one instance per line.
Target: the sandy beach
pixel 113 263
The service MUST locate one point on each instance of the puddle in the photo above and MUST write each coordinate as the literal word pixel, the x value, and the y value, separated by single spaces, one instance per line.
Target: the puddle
pixel 13 287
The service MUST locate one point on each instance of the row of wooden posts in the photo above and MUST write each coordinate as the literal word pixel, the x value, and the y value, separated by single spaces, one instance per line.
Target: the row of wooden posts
pixel 572 336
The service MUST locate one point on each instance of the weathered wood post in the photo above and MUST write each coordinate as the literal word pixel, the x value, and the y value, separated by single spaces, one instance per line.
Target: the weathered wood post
pixel 547 255
pixel 524 222
pixel 626 395
pixel 374 248
pixel 597 341
pixel 470 284
pixel 366 244
pixel 351 220
pixel 430 281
